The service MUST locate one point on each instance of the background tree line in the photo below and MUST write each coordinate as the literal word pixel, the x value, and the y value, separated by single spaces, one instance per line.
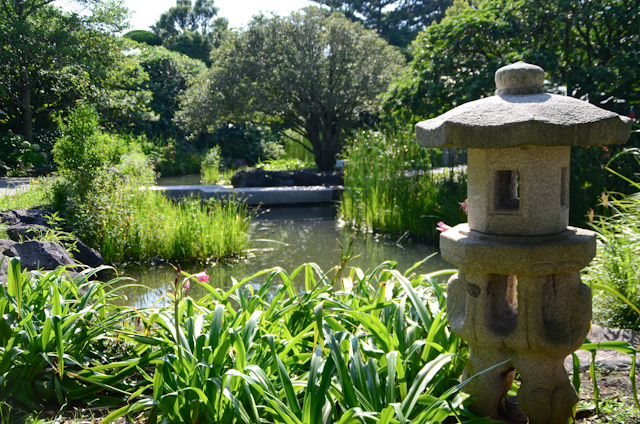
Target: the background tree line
pixel 318 74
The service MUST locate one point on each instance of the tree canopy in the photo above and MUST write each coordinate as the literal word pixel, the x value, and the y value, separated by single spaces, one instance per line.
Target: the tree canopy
pixel 192 29
pixel 397 21
pixel 589 50
pixel 48 57
pixel 316 72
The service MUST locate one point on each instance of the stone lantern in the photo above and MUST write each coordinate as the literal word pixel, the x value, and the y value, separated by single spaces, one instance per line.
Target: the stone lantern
pixel 517 295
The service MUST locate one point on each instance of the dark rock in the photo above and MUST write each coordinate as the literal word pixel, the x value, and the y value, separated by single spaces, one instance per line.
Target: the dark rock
pixel 22 232
pixel 306 177
pixel 87 256
pixel 25 216
pixel 45 255
pixel 250 178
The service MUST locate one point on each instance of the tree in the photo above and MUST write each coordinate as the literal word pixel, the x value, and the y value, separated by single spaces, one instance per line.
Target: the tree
pixel 316 72
pixel 589 49
pixel 169 75
pixel 455 61
pixel 142 36
pixel 397 21
pixel 192 29
pixel 48 56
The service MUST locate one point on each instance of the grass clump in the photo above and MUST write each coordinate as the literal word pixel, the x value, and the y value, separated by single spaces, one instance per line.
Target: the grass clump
pixel 617 264
pixel 390 186
pixel 25 197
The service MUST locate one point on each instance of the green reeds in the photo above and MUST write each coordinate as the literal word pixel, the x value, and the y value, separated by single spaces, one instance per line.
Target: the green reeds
pixel 137 225
pixel 617 264
pixel 390 186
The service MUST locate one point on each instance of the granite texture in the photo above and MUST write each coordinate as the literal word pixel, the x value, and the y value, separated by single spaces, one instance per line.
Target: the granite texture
pixel 517 298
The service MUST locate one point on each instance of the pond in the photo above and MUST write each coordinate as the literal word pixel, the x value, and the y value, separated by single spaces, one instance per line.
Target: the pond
pixel 191 179
pixel 280 240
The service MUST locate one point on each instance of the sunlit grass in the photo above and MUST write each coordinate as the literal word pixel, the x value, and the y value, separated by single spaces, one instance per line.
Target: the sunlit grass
pixel 25 197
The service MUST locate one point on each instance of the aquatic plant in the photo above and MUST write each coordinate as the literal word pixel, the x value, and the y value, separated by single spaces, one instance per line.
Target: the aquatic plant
pixel 390 186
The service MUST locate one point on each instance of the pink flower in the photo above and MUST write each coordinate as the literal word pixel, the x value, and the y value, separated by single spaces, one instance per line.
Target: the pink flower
pixel 442 227
pixel 187 287
pixel 201 276
pixel 465 206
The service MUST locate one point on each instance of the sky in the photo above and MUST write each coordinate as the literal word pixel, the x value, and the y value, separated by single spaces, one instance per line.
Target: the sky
pixel 238 12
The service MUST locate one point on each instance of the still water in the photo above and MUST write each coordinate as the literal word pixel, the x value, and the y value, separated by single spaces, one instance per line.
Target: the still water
pixel 191 179
pixel 279 240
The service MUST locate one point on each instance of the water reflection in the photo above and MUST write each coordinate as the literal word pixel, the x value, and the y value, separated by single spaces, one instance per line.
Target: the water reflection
pixel 286 244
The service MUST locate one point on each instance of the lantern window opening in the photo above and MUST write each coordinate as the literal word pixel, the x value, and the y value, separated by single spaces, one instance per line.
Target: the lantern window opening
pixel 507 190
pixel 502 293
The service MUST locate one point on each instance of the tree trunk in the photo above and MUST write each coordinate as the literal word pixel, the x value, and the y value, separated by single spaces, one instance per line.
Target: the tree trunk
pixel 25 107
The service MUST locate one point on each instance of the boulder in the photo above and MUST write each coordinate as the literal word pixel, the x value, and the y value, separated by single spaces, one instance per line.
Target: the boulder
pixel 25 216
pixel 87 256
pixel 34 254
pixel 250 178
pixel 23 232
pixel 305 177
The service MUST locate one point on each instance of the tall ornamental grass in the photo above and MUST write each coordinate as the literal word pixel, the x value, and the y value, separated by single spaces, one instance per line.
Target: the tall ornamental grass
pixel 391 187
pixel 616 268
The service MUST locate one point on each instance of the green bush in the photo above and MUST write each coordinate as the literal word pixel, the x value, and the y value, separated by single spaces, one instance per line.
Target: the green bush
pixel 210 167
pixel 389 186
pixel 82 151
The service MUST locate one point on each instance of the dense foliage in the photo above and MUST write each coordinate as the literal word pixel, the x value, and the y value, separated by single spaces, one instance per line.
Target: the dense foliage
pixel 50 58
pixel 142 36
pixel 396 21
pixel 308 347
pixel 192 28
pixel 588 48
pixel 617 264
pixel 306 70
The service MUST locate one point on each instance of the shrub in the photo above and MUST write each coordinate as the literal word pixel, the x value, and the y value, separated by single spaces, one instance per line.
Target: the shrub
pixel 82 152
pixel 210 166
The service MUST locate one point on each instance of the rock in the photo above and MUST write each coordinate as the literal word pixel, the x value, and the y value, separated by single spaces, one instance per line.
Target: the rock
pixel 23 232
pixel 46 255
pixel 25 216
pixel 608 359
pixel 250 178
pixel 304 177
pixel 87 256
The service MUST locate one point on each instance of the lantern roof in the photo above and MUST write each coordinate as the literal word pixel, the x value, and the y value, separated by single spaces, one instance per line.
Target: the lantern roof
pixel 522 114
